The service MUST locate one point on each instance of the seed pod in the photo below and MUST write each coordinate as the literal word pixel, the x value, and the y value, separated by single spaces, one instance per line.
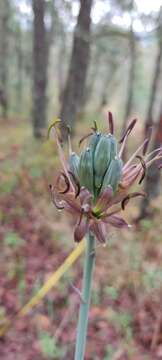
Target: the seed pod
pixel 74 164
pixel 106 150
pixel 113 174
pixel 86 169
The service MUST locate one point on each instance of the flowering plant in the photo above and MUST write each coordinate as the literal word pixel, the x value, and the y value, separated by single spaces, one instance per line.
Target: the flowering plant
pixel 94 187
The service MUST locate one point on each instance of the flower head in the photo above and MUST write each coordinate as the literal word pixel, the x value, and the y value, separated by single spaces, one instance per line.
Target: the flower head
pixel 94 186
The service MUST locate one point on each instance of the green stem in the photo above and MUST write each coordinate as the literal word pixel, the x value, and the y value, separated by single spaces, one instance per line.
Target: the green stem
pixel 86 296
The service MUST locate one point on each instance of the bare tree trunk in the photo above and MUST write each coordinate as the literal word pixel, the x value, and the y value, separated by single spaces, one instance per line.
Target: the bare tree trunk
pixel 152 181
pixel 149 117
pixel 40 60
pixel 75 85
pixel 4 36
pixel 60 65
pixel 129 102
pixel 131 78
pixel 19 54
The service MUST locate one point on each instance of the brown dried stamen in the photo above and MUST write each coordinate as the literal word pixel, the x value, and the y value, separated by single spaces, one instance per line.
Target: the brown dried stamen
pixel 94 128
pixel 111 122
pixel 57 204
pixel 84 138
pixel 131 196
pixel 149 134
pixel 143 167
pixel 128 130
pixel 67 183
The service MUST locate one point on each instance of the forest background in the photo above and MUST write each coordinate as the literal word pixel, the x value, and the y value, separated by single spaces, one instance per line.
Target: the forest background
pixel 76 60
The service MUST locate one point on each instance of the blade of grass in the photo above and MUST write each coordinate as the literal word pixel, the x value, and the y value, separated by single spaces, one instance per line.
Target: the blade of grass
pixel 52 281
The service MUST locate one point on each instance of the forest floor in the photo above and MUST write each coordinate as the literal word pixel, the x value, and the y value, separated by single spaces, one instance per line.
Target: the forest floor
pixel 126 313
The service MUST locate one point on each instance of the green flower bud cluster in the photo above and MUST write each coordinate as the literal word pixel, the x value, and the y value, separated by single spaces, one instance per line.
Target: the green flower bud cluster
pixel 98 165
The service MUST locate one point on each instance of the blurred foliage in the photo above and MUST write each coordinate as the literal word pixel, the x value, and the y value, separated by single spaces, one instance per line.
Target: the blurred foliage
pixel 109 59
pixel 112 292
pixel 48 346
pixel 12 239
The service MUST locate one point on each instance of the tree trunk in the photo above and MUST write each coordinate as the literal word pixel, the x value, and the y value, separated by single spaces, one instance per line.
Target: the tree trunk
pixel 40 61
pixel 131 78
pixel 75 85
pixel 149 117
pixel 19 56
pixel 129 102
pixel 156 75
pixel 4 36
pixel 152 181
pixel 60 65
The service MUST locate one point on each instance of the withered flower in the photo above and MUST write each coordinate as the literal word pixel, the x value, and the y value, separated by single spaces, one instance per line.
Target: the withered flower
pixel 94 186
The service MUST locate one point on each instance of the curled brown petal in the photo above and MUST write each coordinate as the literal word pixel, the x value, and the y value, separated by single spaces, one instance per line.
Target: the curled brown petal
pixel 58 204
pixel 76 183
pixel 149 134
pixel 131 196
pixel 143 167
pixel 81 228
pixel 128 130
pixel 66 183
pixel 85 137
pixel 111 122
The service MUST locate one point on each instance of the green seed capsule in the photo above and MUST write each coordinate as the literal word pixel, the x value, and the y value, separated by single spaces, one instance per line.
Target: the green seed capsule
pixel 86 169
pixel 113 174
pixel 106 150
pixel 74 164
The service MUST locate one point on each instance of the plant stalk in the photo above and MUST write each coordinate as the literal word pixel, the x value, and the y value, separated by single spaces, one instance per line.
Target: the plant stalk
pixel 86 296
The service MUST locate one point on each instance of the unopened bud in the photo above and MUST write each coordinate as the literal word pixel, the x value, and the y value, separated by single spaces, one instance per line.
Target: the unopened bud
pixel 86 169
pixel 113 174
pixel 105 152
pixel 94 141
pixel 74 164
